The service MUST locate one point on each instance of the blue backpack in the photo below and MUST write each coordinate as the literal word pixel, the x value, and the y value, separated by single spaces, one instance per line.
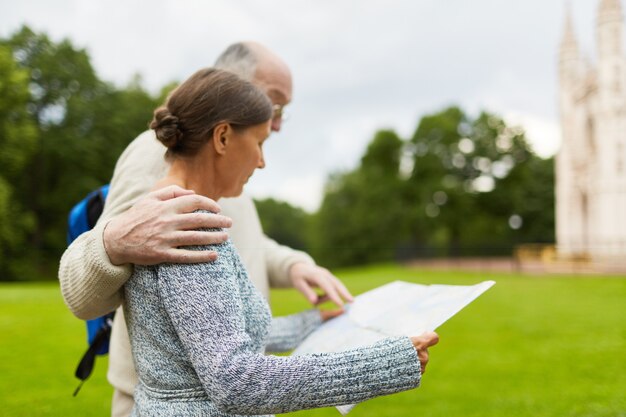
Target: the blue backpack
pixel 82 218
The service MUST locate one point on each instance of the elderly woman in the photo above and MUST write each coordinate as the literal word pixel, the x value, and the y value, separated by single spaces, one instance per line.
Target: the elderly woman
pixel 199 332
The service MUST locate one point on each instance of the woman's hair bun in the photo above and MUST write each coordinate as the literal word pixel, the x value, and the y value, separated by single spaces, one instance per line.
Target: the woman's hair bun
pixel 166 127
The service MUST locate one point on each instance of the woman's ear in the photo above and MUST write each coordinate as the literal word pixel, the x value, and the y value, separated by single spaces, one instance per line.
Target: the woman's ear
pixel 221 137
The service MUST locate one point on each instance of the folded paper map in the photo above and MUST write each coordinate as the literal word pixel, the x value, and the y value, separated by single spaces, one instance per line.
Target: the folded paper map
pixel 395 309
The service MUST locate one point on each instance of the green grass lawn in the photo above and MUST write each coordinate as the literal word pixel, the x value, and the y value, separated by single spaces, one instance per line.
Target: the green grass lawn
pixel 530 346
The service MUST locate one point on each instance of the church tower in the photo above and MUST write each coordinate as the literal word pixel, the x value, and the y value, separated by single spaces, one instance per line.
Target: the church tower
pixel 570 231
pixel 591 164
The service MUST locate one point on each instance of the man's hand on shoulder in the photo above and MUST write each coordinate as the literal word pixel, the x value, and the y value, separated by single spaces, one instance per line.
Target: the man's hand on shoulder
pixel 305 277
pixel 152 230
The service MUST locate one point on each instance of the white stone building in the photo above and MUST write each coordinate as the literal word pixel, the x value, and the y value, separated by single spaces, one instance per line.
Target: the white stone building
pixel 591 164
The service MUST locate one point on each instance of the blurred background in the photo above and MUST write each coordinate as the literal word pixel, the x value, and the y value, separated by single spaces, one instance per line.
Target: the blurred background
pixel 417 114
pixel 421 135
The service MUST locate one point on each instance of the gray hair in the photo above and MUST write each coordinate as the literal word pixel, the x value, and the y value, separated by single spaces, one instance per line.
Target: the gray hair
pixel 239 59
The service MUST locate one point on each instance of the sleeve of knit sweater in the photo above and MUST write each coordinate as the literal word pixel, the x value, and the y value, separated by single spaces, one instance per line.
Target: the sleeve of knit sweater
pixel 206 307
pixel 90 283
pixel 288 332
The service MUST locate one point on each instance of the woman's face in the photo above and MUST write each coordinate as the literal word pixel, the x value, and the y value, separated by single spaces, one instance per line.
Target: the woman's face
pixel 245 155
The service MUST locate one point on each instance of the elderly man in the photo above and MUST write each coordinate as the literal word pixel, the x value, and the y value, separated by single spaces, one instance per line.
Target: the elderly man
pixel 138 227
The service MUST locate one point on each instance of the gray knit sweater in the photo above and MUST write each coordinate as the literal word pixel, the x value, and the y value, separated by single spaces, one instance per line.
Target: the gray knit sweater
pixel 199 333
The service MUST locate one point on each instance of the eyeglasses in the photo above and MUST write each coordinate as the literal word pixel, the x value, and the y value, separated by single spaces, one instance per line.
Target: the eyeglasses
pixel 278 112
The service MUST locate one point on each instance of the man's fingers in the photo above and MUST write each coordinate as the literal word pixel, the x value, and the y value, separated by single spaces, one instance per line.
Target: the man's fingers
pixel 190 221
pixel 343 291
pixel 192 202
pixel 308 292
pixel 322 298
pixel 328 287
pixel 169 192
pixel 183 256
pixel 325 284
pixel 196 238
pixel 305 276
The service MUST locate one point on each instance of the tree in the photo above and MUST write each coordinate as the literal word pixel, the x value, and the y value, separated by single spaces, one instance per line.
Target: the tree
pixel 474 179
pixel 284 223
pixel 362 216
pixel 472 187
pixel 61 84
pixel 438 181
pixel 18 138
pixel 82 126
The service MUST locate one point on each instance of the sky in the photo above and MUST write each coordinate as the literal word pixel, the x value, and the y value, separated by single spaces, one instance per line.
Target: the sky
pixel 358 65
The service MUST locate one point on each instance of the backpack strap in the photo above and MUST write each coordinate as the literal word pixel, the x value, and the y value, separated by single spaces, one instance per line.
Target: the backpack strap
pixel 85 366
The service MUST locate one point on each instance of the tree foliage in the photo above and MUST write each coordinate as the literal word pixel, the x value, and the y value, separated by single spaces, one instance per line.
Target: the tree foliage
pixel 361 218
pixel 285 223
pixel 459 186
pixel 18 138
pixel 79 123
pixel 474 179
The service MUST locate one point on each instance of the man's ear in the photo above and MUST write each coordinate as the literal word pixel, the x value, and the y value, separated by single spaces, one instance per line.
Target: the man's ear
pixel 221 137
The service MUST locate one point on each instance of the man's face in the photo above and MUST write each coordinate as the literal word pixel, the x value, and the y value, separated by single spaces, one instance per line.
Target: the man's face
pixel 276 82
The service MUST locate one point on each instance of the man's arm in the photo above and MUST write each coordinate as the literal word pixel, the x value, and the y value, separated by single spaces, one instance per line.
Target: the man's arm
pixel 90 283
pixel 135 228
